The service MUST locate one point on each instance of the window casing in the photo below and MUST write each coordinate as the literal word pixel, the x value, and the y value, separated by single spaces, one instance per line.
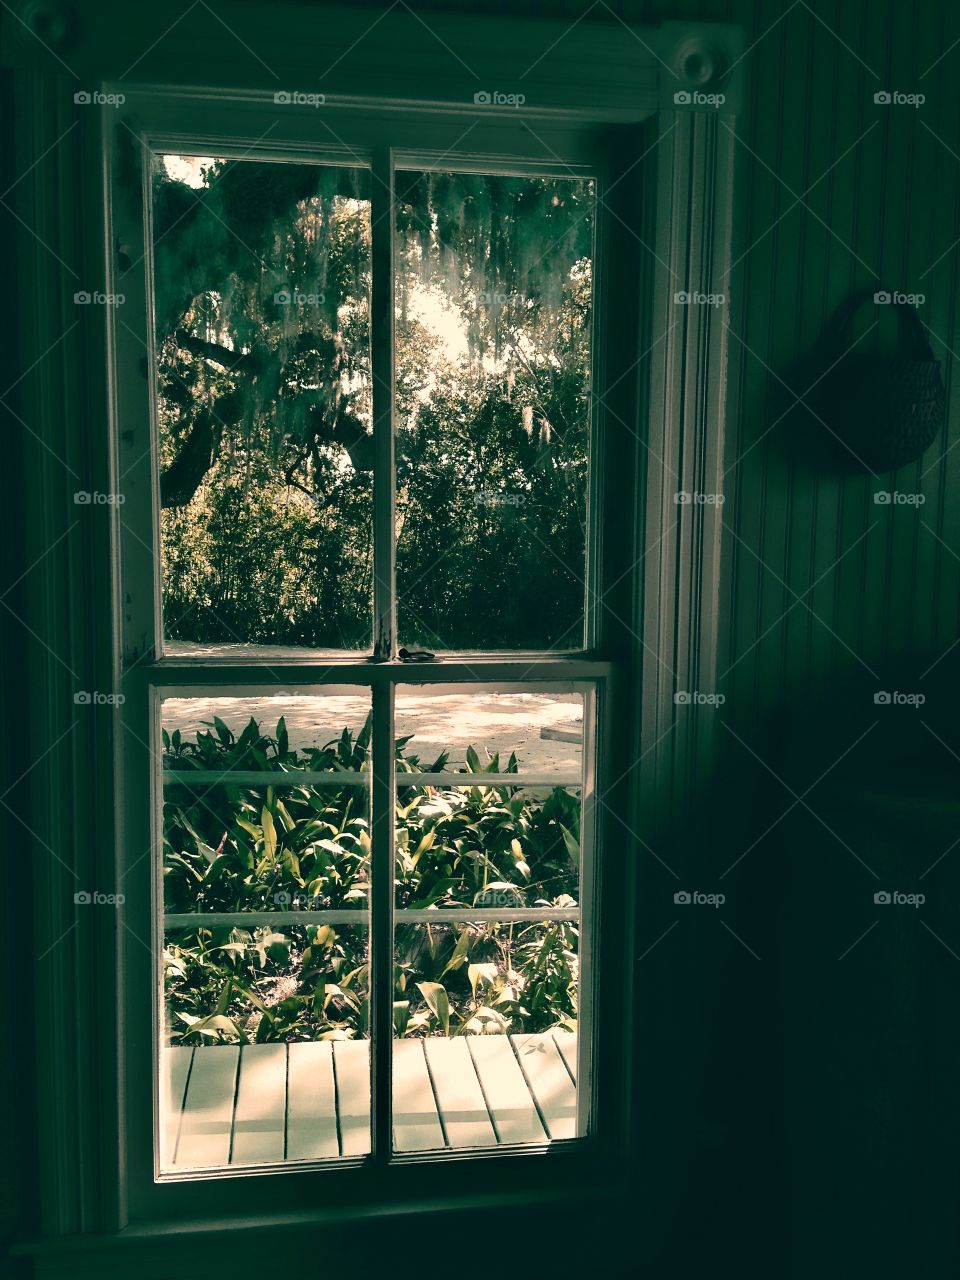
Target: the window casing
pixel 165 124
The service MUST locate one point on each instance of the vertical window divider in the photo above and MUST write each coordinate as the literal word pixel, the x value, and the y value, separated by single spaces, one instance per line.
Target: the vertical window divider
pixel 381 921
pixel 382 326
pixel 382 310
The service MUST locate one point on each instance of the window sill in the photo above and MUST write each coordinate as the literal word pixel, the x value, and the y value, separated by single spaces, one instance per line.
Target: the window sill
pixel 215 1246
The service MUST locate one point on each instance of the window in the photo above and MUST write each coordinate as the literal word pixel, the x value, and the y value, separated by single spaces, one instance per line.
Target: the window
pixel 601 107
pixel 366 673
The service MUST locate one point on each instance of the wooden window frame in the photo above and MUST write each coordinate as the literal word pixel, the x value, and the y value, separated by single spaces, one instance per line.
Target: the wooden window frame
pixel 151 123
pixel 654 631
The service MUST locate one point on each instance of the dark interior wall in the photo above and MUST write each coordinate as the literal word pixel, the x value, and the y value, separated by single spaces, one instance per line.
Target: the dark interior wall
pixel 819 1092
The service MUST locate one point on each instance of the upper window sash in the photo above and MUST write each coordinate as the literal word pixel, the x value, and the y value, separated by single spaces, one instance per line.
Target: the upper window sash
pixel 144 128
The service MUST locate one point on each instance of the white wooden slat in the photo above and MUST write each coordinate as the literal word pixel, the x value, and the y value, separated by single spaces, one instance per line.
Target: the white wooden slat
pixel 208 1109
pixel 311 1101
pixel 508 1098
pixel 175 1067
pixel 549 1082
pixel 460 1100
pixel 259 1117
pixel 290 1094
pixel 416 1124
pixel 566 1042
pixel 352 1063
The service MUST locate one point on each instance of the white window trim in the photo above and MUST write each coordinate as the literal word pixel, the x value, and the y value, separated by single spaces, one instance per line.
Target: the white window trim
pixel 148 124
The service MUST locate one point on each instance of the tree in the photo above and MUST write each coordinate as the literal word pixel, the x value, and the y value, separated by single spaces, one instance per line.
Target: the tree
pixel 262 328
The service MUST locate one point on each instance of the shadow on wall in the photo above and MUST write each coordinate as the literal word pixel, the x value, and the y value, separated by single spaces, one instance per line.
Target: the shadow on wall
pixel 817 978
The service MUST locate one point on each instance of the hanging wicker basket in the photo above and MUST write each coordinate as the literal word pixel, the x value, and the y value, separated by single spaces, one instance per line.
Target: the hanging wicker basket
pixel 887 409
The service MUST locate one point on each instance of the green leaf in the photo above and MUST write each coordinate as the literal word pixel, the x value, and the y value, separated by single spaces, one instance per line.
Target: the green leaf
pixel 460 951
pixel 438 1002
pixel 401 1016
pixel 291 864
pixel 572 843
pixel 288 822
pixel 478 972
pixel 215 1025
pixel 269 833
pixel 226 737
pixel 319 996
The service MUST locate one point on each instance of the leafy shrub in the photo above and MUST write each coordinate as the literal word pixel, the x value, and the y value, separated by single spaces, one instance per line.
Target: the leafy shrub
pixel 235 848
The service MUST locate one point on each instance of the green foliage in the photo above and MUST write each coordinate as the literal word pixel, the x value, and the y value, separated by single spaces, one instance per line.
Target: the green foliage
pixel 264 407
pixel 292 845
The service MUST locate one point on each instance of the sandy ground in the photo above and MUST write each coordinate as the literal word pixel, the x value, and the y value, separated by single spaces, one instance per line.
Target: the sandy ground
pixel 439 721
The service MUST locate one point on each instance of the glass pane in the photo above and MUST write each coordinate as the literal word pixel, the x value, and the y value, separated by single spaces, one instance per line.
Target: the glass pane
pixel 493 360
pixel 488 924
pixel 264 1049
pixel 262 314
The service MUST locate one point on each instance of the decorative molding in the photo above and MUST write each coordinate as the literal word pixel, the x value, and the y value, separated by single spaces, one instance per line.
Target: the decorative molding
pixel 701 67
pixel 54 25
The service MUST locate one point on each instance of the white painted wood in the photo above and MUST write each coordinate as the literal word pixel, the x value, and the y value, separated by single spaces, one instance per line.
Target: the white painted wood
pixel 416 1122
pixel 566 1042
pixel 507 1096
pixel 311 1101
pixel 406 915
pixel 529 781
pixel 549 1082
pixel 459 1097
pixel 352 1064
pixel 207 1122
pixel 259 1118
pixel 265 778
pixel 175 1068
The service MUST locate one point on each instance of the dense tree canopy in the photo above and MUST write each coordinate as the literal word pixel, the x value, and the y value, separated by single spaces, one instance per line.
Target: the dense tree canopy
pixel 262 283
